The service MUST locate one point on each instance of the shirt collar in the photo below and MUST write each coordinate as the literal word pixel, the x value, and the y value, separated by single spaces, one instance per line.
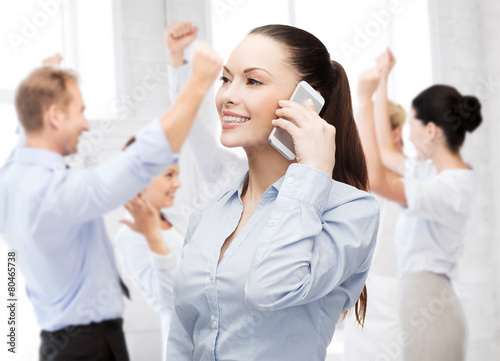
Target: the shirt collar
pixel 238 187
pixel 42 157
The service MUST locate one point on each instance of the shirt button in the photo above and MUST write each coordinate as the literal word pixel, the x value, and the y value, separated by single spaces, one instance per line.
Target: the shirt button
pixel 271 222
pixel 290 180
pixel 214 324
pixel 211 275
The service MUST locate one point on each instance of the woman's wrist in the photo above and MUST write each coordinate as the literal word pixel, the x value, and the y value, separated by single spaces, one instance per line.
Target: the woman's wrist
pixel 156 244
pixel 176 59
pixel 365 103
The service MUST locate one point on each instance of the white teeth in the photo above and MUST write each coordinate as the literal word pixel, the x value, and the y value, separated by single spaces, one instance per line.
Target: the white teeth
pixel 230 119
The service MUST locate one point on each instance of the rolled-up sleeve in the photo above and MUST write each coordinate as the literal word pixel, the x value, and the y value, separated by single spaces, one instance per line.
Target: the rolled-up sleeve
pixel 320 233
pixel 81 195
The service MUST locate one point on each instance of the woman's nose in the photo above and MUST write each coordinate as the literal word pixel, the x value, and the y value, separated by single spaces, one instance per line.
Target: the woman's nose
pixel 177 182
pixel 230 94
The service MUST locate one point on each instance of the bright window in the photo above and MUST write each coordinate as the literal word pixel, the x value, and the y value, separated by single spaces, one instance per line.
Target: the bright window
pixel 81 30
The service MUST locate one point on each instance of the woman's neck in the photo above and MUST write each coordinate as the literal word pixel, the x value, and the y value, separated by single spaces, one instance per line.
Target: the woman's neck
pixel 265 166
pixel 165 224
pixel 444 159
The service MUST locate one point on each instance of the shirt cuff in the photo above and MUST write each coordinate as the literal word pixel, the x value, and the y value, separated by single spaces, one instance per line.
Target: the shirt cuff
pixel 178 76
pixel 167 262
pixel 307 184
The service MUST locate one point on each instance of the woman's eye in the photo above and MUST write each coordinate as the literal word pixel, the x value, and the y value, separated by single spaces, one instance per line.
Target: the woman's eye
pixel 252 81
pixel 224 79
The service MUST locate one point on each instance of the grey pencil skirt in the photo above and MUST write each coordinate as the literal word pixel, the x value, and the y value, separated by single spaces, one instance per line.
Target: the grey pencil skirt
pixel 432 319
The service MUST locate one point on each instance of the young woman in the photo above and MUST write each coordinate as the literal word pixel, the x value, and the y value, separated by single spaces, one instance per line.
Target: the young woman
pixel 437 192
pixel 270 265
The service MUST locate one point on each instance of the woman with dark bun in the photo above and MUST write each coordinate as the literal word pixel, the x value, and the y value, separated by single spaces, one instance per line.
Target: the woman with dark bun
pixel 437 191
pixel 269 266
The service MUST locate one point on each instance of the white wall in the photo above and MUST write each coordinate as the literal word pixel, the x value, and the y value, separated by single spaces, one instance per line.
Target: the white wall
pixel 467 54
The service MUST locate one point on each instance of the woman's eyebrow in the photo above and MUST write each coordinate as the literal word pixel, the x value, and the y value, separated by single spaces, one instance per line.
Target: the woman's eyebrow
pixel 226 69
pixel 252 69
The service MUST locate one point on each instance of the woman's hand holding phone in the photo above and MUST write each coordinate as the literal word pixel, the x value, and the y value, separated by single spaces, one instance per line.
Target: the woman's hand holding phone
pixel 313 137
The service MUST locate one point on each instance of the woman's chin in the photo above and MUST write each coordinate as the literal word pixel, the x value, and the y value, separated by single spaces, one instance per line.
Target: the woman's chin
pixel 229 141
pixel 167 204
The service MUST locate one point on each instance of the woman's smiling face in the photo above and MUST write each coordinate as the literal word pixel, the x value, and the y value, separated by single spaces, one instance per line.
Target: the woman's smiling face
pixel 254 79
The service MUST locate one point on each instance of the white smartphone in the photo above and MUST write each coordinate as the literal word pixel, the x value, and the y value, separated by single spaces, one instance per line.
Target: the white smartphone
pixel 280 138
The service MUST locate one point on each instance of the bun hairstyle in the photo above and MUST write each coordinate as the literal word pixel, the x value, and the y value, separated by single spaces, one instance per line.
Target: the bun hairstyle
pixel 310 59
pixel 449 110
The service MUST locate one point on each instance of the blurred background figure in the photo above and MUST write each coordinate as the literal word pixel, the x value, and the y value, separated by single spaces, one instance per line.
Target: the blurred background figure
pixel 53 60
pixel 436 191
pixel 382 331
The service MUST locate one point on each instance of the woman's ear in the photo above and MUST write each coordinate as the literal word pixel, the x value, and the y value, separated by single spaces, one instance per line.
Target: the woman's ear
pixel 434 131
pixel 431 130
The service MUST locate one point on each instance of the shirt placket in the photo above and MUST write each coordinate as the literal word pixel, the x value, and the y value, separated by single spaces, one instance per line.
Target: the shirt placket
pixel 236 208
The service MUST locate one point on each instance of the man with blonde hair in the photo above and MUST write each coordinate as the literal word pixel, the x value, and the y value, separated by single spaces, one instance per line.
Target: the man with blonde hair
pixel 51 217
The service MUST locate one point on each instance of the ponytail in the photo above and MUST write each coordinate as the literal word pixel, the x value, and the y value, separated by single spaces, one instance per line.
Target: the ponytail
pixel 350 164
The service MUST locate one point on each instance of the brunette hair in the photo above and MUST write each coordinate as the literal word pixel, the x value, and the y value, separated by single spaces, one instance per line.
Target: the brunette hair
pixel 42 88
pixel 449 110
pixel 311 61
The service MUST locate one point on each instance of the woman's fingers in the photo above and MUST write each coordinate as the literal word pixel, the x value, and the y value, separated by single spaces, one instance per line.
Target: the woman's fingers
pixel 298 113
pixel 136 206
pixel 129 207
pixel 287 125
pixel 147 207
pixel 313 137
pixel 303 116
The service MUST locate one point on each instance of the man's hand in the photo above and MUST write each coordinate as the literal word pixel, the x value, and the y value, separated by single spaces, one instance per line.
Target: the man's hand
pixel 179 36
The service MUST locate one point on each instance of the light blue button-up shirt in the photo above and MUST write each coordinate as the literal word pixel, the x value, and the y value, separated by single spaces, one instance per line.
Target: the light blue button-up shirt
pixel 52 218
pixel 297 264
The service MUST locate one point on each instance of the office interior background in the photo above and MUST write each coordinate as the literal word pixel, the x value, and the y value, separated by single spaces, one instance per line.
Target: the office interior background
pixel 114 45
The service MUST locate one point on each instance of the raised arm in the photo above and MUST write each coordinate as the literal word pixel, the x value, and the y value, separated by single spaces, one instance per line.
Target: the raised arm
pixel 392 158
pixel 382 180
pixel 79 196
pixel 177 122
pixel 211 159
